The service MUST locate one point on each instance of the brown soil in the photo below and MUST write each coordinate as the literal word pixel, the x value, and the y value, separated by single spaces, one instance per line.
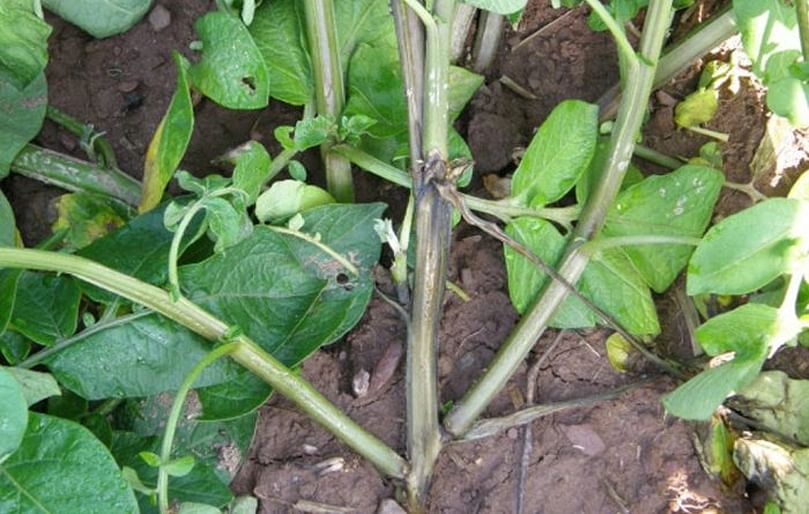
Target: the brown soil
pixel 623 455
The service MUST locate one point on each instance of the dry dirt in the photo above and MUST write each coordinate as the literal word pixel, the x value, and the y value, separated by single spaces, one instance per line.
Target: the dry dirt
pixel 623 455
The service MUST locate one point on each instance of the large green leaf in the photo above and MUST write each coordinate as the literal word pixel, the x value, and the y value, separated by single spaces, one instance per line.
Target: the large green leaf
pixel 749 331
pixel 35 385
pixel 61 467
pixel 286 293
pixel 23 43
pixel 558 155
pixel 596 169
pixel 13 415
pixel 100 18
pixel 278 33
pixel 202 484
pixel 751 248
pixel 22 115
pixel 609 281
pixel 778 403
pixel 360 21
pixel 138 355
pixel 14 346
pixel 677 204
pixel 767 28
pixel 7 224
pixel 525 281
pixel 46 308
pixel 140 249
pixel 169 141
pixel 498 6
pixel 231 71
pixel 237 397
pixel 8 277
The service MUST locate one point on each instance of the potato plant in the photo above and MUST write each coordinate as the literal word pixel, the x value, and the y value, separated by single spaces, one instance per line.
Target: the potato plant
pixel 140 297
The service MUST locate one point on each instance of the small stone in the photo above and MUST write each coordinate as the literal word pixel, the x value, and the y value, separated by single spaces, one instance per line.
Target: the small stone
pixel 128 86
pixel 361 383
pixel 584 438
pixel 467 278
pixel 665 98
pixel 512 433
pixel 389 506
pixel 159 18
pixel 68 141
pixel 310 449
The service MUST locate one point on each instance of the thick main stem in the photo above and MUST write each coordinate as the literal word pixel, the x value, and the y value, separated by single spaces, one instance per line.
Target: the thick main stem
pixel 802 6
pixel 249 354
pixel 75 175
pixel 321 31
pixel 532 325
pixel 433 226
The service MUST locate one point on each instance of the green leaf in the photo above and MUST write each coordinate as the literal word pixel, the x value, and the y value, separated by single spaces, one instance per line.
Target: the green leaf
pixel 698 398
pixel 777 402
pixel 227 225
pixel 46 307
pixel 252 169
pixel 35 385
pixel 612 283
pixel 596 169
pixel 23 113
pixel 288 197
pixel 744 330
pixel 558 155
pixel 525 281
pixel 749 249
pixel 197 508
pixel 14 416
pixel 181 466
pixel 361 21
pixel 100 18
pixel 231 71
pixel 621 10
pixel 243 394
pixel 311 132
pixel 23 44
pixel 767 27
pixel 677 204
pixel 87 217
pixel 375 89
pixel 780 469
pixel 7 224
pixel 61 467
pixel 278 33
pixel 697 108
pixel 137 355
pixel 13 346
pixel 169 141
pixel 140 249
pixel 498 6
pixel 789 97
pixel 462 86
pixel 150 458
pixel 305 298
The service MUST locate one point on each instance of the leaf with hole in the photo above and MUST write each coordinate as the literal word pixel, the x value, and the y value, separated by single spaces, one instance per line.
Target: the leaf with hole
pixel 231 71
pixel 61 467
pixel 749 249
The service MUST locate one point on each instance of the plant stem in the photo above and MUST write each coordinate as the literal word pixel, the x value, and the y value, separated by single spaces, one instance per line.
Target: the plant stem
pixel 75 175
pixel 410 41
pixel 704 38
pixel 174 418
pixel 503 209
pixel 284 380
pixel 327 69
pixel 433 228
pixel 487 40
pixel 95 140
pixel 464 16
pixel 597 245
pixel 655 157
pixel 749 189
pixel 630 116
pixel 719 136
pixel 802 6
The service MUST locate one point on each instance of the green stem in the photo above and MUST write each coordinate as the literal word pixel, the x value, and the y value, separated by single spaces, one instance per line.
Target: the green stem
pixel 75 175
pixel 655 157
pixel 719 136
pixel 399 268
pixel 324 49
pixel 749 189
pixel 284 380
pixel 598 245
pixel 621 42
pixel 174 418
pixel 802 6
pixel 503 209
pixel 344 262
pixel 630 116
pixel 97 143
pixel 704 38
